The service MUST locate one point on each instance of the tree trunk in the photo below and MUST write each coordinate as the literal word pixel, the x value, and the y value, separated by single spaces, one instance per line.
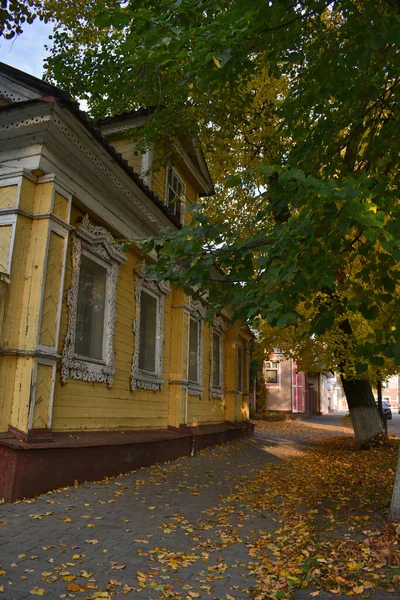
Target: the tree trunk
pixel 364 415
pixel 395 506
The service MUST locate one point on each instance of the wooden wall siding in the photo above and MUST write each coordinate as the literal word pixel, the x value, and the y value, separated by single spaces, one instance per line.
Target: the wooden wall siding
pixel 42 396
pixel 20 392
pixel 48 326
pixel 28 191
pixel 22 306
pixel 8 196
pixel 126 147
pixel 43 198
pixel 5 244
pixel 22 310
pixel 61 206
pixel 280 397
pixel 79 405
pixel 158 182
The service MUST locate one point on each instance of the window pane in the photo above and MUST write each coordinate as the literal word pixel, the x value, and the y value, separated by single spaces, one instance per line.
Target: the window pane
pixel 174 193
pixel 271 375
pixel 90 311
pixel 240 368
pixel 193 350
pixel 148 331
pixel 216 373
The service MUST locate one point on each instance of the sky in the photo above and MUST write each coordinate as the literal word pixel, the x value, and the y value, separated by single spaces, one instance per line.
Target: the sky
pixel 26 52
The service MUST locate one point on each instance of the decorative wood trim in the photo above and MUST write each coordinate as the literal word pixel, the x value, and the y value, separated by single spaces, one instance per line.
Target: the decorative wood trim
pixel 62 231
pixel 139 378
pixel 197 312
pixel 99 242
pixel 218 327
pixel 9 219
pixel 182 199
pixel 50 362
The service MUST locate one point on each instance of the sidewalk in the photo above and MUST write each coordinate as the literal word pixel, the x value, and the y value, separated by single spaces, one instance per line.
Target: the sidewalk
pixel 160 532
pixel 164 523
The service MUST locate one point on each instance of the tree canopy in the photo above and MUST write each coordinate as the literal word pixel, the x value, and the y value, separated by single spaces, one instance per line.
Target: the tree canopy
pixel 297 106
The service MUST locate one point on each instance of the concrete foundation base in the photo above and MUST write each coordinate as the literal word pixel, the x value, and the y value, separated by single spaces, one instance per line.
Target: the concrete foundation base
pixel 32 465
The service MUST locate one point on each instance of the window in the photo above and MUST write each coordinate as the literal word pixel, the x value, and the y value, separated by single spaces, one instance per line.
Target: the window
pixel 89 332
pixel 147 364
pixel 88 352
pixel 217 357
pixel 271 372
pixel 175 191
pixel 239 368
pixel 195 348
pixel 148 330
pixel 216 367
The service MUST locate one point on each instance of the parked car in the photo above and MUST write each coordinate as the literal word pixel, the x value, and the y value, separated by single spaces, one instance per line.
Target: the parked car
pixel 387 411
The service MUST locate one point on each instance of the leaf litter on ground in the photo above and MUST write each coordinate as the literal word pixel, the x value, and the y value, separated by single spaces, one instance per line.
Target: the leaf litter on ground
pixel 329 504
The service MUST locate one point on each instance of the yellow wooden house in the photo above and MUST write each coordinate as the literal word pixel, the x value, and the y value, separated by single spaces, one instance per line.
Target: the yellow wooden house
pixel 101 370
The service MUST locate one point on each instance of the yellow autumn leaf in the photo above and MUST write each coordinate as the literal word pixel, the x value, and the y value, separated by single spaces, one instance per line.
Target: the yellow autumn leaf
pixel 217 62
pixel 37 591
pixel 358 589
pixel 86 574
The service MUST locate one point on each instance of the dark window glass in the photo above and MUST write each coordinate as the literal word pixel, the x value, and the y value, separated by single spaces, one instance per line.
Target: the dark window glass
pixel 90 310
pixel 216 367
pixel 193 350
pixel 148 332
pixel 174 194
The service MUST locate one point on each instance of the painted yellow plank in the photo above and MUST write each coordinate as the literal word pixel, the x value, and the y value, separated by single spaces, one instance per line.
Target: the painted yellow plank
pixel 27 194
pixel 5 247
pixel 42 396
pixel 8 196
pixel 60 206
pixel 51 297
pixel 43 197
pixel 21 393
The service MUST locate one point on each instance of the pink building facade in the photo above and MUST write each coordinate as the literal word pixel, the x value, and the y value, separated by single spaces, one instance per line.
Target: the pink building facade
pixel 391 392
pixel 297 392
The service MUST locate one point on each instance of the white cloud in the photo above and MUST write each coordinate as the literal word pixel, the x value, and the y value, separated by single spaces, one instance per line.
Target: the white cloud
pixel 26 52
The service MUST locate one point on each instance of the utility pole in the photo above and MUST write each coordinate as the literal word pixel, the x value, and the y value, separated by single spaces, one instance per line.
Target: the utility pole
pixel 380 409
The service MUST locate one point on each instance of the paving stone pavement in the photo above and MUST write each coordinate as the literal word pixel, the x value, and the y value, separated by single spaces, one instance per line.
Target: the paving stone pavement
pixel 157 526
pixel 157 532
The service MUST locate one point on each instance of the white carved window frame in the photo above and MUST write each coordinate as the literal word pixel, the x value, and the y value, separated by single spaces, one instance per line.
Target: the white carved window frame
pixel 141 379
pixel 219 328
pixel 197 312
pixel 98 244
pixel 269 366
